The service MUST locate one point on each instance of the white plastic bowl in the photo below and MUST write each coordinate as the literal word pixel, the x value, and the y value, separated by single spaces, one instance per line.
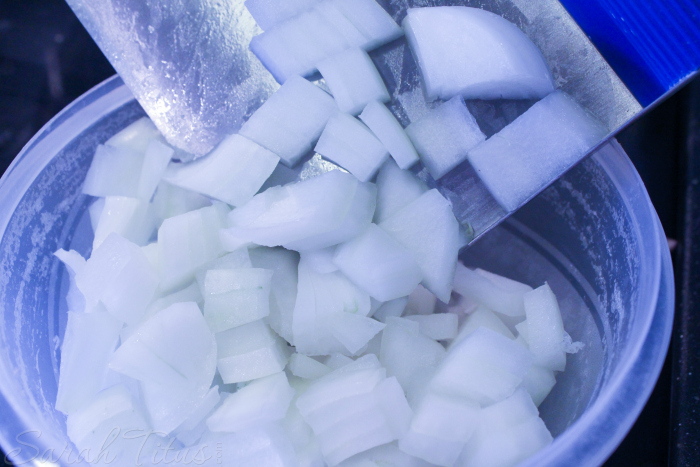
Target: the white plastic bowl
pixel 594 236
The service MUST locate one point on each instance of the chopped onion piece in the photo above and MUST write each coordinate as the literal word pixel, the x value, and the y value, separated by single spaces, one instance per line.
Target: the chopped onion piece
pixel 262 401
pixel 268 13
pixel 250 352
pixel 353 80
pixel 441 427
pixel 306 367
pixel 232 172
pixel 475 53
pixel 483 289
pixel 187 242
pixel 396 188
pixel 440 326
pixel 309 215
pixel 234 297
pixel 434 241
pixel 545 329
pixel 291 120
pixel 119 276
pixel 283 288
pixel 349 143
pixel 485 367
pixel 378 264
pixel 535 149
pixel 389 131
pixel 444 136
pixel 88 345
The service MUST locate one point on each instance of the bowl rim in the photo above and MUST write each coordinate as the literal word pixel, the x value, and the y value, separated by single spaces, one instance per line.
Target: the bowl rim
pixel 600 429
pixel 78 116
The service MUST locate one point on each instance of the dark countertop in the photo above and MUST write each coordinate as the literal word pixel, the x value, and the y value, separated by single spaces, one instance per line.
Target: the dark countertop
pixel 47 60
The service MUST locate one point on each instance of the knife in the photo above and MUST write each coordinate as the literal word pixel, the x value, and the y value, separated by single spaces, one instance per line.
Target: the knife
pixel 189 66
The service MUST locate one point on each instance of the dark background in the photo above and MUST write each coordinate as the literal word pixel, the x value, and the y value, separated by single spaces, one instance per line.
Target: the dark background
pixel 47 60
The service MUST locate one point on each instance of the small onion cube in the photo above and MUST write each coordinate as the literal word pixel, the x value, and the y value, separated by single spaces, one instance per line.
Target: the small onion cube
pixel 329 418
pixel 95 212
pixel 233 172
pixel 355 378
pixel 155 163
pixel 256 447
pixel 409 355
pixel 349 143
pixel 316 213
pixel 485 367
pixel 283 287
pixel 136 137
pixel 96 422
pixel 392 308
pixel 74 263
pixel 281 50
pixel 535 149
pixel 329 40
pixel 249 352
pixel 504 283
pixel 178 339
pixel 510 432
pixel 319 297
pixel 191 430
pixel 389 131
pixel 130 218
pixel 386 455
pixel 306 367
pixel 353 80
pixel 337 360
pixel 234 297
pixel 338 21
pixel 483 289
pixel 434 241
pixel 174 355
pixel 475 53
pixel 114 171
pixel 187 242
pixel 237 259
pixel 538 382
pixel 291 120
pixel 483 317
pixel 440 326
pixel 320 261
pixel 88 345
pixel 119 276
pixel 355 408
pixel 396 188
pixel 371 20
pixel 190 293
pixel 295 46
pixel 393 404
pixel 421 302
pixel 353 331
pixel 441 427
pixel 378 264
pixel 170 201
pixel 359 433
pixel 545 329
pixel 268 13
pixel 444 136
pixel 261 402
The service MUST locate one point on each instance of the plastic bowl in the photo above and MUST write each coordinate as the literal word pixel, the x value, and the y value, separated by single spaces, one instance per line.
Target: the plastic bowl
pixel 594 236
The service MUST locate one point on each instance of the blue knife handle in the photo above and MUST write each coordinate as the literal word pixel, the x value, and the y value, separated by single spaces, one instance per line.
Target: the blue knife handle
pixel 653 45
